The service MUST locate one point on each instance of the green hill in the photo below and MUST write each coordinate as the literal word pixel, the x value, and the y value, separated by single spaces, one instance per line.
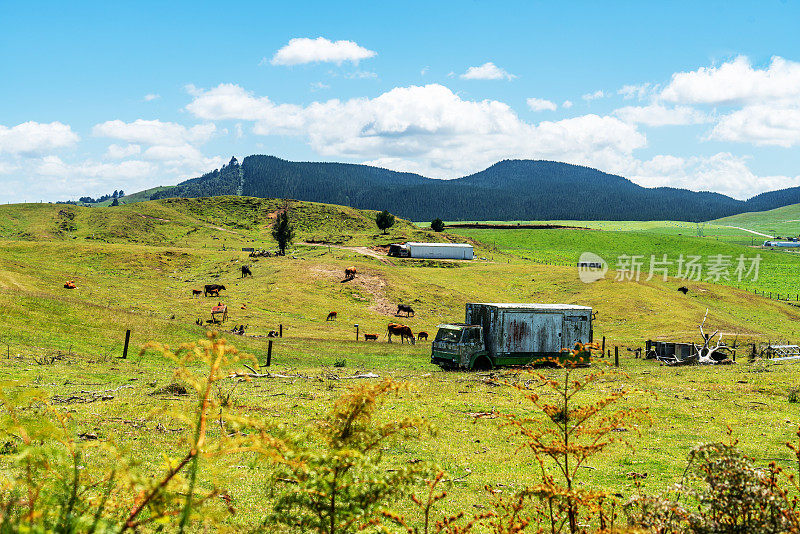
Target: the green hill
pixel 784 221
pixel 198 222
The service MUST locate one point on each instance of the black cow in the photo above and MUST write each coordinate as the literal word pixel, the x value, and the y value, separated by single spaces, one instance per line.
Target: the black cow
pixel 402 308
pixel 683 289
pixel 246 271
pixel 213 289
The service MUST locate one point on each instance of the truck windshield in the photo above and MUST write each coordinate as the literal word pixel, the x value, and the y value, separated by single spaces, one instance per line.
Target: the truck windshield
pixel 448 335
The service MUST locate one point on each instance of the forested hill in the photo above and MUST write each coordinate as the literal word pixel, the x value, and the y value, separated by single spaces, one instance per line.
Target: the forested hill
pixel 508 190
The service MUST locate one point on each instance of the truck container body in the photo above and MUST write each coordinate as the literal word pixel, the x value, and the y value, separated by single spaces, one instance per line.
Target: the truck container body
pixel 498 334
pixel 441 251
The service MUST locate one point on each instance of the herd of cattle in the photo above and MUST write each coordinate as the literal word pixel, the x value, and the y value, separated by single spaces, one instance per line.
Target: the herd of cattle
pixel 393 329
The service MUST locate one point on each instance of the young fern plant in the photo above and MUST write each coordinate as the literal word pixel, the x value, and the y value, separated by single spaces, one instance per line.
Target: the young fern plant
pixel 567 430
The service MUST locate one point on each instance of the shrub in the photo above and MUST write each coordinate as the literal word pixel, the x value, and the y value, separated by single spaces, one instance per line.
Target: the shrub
pixel 333 479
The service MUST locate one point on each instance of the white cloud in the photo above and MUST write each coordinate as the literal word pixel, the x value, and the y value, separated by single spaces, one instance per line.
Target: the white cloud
pixel 304 50
pixel 35 137
pixel 637 91
pixel 658 115
pixel 567 104
pixel 318 86
pixel 362 75
pixel 768 124
pixel 154 132
pixel 723 173
pixel 540 104
pixel 736 82
pixel 424 71
pixel 121 152
pixel 593 96
pixel 487 71
pixel 151 96
pixel 428 127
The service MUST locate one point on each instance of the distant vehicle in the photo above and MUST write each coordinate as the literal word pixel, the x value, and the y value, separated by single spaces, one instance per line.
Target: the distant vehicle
pixel 399 251
pixel 784 244
pixel 497 334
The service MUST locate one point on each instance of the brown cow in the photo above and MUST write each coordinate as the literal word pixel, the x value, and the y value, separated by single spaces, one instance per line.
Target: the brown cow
pixel 331 316
pixel 400 330
pixel 349 273
pixel 422 335
pixel 196 292
pixel 370 337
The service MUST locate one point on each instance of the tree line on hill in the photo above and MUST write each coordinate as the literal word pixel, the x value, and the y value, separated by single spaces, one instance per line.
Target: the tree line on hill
pixel 115 195
pixel 508 190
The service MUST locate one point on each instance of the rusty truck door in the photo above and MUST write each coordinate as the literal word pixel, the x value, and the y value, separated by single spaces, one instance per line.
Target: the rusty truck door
pixel 574 326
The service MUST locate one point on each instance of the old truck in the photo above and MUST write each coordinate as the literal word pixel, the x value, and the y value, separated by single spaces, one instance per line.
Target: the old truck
pixel 498 334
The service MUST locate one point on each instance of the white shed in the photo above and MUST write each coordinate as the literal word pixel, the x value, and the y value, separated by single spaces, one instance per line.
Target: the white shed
pixel 441 251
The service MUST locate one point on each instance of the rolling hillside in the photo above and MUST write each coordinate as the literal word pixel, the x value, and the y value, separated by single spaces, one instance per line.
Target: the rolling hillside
pixel 135 267
pixel 784 221
pixel 235 221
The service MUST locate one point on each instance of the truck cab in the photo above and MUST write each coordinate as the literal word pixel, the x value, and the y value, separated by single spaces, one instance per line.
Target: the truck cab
pixel 460 346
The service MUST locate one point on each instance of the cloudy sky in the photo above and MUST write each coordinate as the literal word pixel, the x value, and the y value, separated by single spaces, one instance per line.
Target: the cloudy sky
pixel 97 96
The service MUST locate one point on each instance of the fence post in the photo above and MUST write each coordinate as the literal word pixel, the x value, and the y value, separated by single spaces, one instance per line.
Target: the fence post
pixel 604 346
pixel 616 356
pixel 127 339
pixel 280 330
pixel 269 354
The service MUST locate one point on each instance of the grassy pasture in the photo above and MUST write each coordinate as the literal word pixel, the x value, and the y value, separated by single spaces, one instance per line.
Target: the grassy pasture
pixel 138 271
pixel 779 270
pixel 783 221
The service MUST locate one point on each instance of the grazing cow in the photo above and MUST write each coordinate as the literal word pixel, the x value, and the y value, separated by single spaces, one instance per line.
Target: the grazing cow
pixel 246 271
pixel 402 308
pixel 683 289
pixel 349 274
pixel 370 337
pixel 422 335
pixel 400 330
pixel 331 316
pixel 213 289
pixel 70 285
pixel 196 292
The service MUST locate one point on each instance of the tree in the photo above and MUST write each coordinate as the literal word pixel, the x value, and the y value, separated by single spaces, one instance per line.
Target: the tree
pixel 437 225
pixel 115 194
pixel 384 220
pixel 121 193
pixel 283 232
pixel 115 202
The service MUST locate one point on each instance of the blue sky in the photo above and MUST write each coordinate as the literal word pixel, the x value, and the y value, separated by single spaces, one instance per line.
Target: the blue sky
pixel 97 96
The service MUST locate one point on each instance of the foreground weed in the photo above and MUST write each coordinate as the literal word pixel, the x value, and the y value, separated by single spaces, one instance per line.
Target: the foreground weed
pixel 55 482
pixel 568 436
pixel 333 478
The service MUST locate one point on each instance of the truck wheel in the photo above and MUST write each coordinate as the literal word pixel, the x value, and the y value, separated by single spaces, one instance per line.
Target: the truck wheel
pixel 482 364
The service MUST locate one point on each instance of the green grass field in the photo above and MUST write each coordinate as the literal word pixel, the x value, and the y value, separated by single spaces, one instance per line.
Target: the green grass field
pixel 135 266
